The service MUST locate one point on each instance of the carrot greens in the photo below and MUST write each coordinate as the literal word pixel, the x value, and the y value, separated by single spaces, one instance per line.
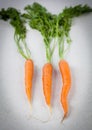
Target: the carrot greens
pixel 15 19
pixel 40 19
pixel 54 26
pixel 64 25
pixel 51 26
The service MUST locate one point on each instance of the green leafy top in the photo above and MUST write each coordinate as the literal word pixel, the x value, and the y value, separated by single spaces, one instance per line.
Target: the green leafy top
pixel 51 26
pixel 65 18
pixel 40 19
pixel 14 16
pixel 65 22
pixel 54 26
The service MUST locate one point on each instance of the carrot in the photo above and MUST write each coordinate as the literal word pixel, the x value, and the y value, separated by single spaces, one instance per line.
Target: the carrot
pixel 47 82
pixel 15 19
pixel 66 79
pixel 29 69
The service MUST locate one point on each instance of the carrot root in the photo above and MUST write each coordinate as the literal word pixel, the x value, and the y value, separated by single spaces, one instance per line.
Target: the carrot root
pixel 66 79
pixel 29 68
pixel 47 82
pixel 65 115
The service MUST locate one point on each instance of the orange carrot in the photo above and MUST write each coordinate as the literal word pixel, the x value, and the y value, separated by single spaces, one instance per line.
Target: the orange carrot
pixel 29 68
pixel 66 79
pixel 47 82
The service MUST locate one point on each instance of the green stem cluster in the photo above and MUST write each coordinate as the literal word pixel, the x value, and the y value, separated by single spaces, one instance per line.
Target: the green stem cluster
pixel 52 27
pixel 55 27
pixel 65 19
pixel 40 19
pixel 15 19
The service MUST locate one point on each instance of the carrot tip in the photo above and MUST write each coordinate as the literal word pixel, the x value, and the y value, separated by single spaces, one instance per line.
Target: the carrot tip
pixel 30 104
pixel 36 118
pixel 63 118
pixel 50 109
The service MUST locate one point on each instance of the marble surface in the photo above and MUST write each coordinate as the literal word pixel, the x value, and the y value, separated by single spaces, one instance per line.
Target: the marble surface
pixel 15 111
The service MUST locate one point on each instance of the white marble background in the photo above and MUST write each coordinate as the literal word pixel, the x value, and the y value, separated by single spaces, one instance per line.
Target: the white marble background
pixel 14 108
